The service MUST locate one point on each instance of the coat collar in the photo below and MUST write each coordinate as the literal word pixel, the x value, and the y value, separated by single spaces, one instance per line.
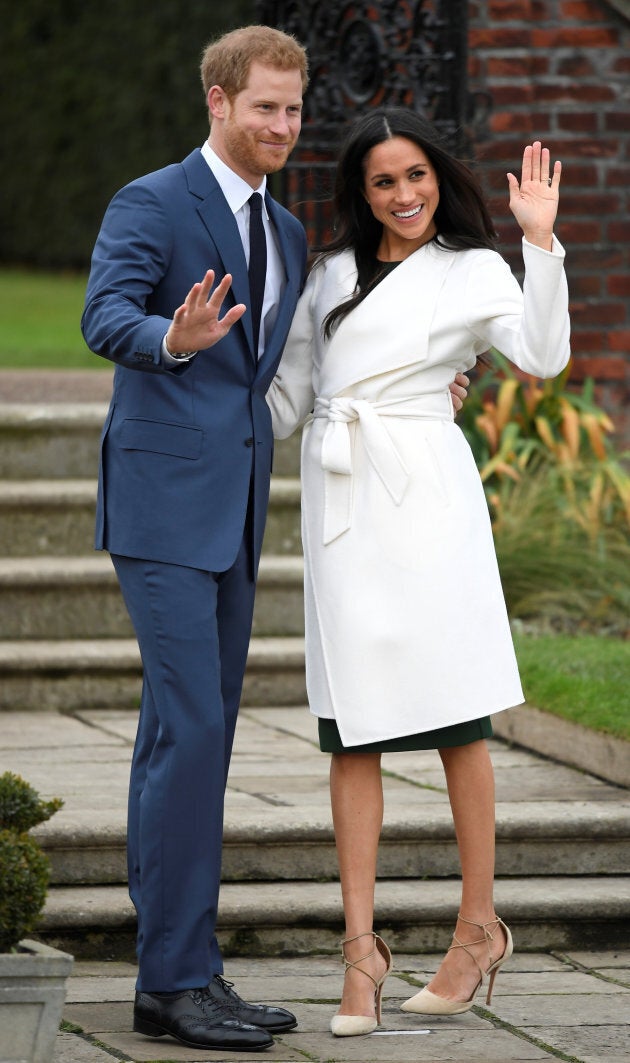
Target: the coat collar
pixel 391 327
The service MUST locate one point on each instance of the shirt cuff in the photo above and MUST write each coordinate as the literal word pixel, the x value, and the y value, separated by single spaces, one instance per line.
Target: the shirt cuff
pixel 171 359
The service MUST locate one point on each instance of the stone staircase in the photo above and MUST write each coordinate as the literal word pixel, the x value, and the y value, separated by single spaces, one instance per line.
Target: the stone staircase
pixel 65 639
pixel 66 647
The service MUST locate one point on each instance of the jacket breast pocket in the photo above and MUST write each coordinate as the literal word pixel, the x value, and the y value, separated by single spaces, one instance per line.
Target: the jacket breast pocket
pixel 161 437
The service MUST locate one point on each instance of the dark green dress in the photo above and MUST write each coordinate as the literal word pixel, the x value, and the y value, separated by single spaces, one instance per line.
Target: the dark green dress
pixel 458 734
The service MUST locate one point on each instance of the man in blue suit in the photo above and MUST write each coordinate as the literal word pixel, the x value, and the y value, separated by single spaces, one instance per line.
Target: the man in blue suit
pixel 183 489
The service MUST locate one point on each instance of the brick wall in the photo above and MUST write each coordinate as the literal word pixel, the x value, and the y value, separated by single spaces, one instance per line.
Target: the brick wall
pixel 559 71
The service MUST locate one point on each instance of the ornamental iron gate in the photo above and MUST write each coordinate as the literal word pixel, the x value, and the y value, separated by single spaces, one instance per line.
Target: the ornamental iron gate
pixel 363 54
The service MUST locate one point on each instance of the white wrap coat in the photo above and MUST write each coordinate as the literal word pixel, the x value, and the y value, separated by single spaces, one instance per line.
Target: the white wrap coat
pixel 406 626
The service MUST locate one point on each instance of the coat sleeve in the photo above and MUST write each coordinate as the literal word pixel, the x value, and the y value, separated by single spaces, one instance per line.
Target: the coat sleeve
pixel 529 326
pixel 130 259
pixel 291 396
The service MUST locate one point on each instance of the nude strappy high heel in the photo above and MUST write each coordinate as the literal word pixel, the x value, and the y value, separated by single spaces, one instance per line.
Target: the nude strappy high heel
pixel 427 1003
pixel 352 1025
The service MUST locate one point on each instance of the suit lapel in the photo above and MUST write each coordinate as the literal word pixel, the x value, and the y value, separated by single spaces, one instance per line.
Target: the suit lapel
pixel 222 229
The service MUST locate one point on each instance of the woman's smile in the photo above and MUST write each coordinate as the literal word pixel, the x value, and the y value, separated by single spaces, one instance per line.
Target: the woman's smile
pixel 413 213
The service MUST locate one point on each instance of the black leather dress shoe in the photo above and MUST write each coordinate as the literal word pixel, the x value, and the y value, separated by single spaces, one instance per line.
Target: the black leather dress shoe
pixel 198 1020
pixel 275 1020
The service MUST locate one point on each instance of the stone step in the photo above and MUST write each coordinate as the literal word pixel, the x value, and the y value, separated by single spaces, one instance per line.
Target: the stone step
pixel 79 597
pixel 62 675
pixel 51 441
pixel 53 517
pixel 294 918
pixel 533 838
pixel 61 441
pixel 56 517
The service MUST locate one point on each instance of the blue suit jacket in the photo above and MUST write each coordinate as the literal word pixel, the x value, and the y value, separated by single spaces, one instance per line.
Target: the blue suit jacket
pixel 181 445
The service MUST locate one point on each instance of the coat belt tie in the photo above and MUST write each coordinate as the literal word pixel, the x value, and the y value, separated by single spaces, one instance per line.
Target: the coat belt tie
pixel 336 453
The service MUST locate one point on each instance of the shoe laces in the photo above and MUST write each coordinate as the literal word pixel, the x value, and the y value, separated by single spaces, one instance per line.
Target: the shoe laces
pixel 233 1002
pixel 203 999
pixel 227 987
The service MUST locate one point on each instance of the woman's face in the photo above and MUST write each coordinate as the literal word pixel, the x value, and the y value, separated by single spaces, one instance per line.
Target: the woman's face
pixel 402 190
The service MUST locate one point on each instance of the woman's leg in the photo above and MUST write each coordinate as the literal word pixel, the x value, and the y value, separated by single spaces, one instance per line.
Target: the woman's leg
pixel 470 781
pixel 356 792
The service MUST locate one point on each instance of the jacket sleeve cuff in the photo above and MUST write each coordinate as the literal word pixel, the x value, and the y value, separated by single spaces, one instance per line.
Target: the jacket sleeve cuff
pixel 557 250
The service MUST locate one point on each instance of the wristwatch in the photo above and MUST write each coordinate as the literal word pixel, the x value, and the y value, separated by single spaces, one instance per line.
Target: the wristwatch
pixel 179 354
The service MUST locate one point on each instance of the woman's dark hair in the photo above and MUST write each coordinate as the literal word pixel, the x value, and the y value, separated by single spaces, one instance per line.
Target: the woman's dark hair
pixel 462 218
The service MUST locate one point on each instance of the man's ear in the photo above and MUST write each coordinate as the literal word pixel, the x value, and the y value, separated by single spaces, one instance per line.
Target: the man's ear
pixel 217 102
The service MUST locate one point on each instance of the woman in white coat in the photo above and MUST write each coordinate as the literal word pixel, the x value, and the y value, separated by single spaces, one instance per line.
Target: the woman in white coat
pixel 407 639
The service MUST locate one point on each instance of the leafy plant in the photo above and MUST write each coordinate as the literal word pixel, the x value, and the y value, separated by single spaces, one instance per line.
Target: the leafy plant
pixel 559 499
pixel 519 425
pixel 25 868
pixel 552 569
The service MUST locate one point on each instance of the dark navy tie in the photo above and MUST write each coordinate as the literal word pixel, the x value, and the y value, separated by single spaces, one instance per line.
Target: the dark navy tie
pixel 257 263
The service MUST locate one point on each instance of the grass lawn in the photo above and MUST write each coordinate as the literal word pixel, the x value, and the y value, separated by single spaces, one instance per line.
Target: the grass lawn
pixel 584 678
pixel 40 315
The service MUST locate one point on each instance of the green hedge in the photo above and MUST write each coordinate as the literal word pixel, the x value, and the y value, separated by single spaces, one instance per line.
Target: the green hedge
pixel 93 95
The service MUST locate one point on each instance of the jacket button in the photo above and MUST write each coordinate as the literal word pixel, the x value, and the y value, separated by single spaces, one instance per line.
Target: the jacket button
pixel 249 442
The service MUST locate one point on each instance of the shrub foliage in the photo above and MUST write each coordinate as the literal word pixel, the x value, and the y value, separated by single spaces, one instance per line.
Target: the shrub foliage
pixel 559 499
pixel 21 807
pixel 25 876
pixel 25 870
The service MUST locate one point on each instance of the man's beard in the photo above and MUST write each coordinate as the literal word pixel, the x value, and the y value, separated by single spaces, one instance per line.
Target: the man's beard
pixel 252 156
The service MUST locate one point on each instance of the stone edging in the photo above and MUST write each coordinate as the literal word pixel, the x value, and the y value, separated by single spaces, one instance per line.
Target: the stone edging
pixel 552 736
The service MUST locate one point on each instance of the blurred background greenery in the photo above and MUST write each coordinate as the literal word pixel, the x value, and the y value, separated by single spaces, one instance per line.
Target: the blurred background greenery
pixel 93 95
pixel 40 314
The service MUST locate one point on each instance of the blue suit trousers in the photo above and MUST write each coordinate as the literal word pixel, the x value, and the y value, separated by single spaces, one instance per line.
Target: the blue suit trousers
pixel 193 629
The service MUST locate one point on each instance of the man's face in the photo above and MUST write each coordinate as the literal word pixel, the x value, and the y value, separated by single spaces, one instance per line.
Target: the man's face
pixel 255 132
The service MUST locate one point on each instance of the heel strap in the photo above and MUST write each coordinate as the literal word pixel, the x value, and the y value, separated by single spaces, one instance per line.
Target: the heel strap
pixel 365 934
pixel 487 939
pixel 496 922
pixel 353 963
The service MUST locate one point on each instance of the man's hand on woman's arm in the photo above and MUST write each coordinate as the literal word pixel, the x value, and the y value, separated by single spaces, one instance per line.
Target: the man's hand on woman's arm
pixel 459 390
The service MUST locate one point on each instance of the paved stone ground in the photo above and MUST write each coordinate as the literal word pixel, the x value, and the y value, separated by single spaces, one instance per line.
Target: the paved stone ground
pixel 544 1007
